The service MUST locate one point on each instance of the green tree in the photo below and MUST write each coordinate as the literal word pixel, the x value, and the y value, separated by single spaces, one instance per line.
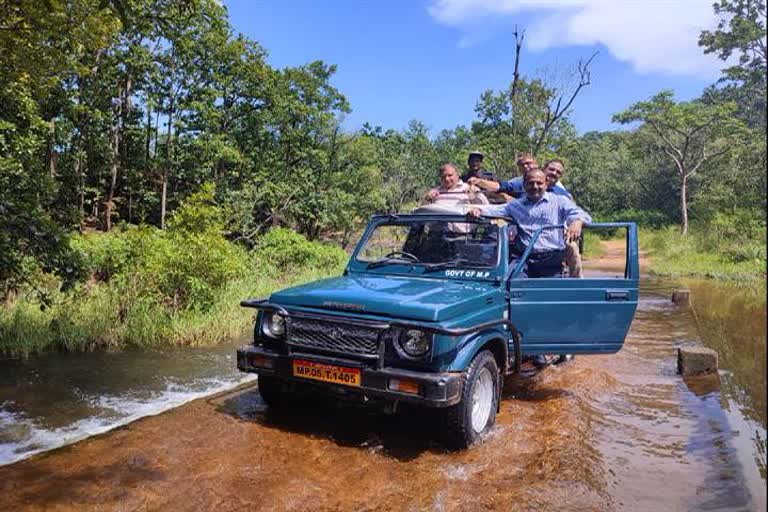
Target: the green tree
pixel 741 33
pixel 689 133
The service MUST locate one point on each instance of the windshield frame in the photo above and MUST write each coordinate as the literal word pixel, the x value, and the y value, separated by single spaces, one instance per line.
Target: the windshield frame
pixel 412 269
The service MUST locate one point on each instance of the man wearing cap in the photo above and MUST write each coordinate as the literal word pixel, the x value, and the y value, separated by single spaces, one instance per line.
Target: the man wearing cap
pixel 476 175
pixel 475 168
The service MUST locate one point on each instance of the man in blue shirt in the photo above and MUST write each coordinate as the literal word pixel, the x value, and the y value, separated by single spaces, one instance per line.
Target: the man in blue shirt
pixel 514 187
pixel 554 171
pixel 537 208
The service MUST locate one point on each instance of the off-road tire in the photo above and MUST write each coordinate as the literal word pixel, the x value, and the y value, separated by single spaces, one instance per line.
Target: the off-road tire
pixel 456 421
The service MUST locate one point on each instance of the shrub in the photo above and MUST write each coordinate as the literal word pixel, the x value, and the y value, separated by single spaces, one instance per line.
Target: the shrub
pixel 286 249
pixel 644 218
pixel 184 270
pixel 105 255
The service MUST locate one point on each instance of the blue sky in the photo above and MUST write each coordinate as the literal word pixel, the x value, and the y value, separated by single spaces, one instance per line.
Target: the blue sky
pixel 431 59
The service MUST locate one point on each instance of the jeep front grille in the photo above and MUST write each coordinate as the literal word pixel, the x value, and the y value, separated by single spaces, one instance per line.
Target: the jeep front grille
pixel 334 337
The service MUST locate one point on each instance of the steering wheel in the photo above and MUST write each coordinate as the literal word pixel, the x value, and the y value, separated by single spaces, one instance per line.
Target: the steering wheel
pixel 403 254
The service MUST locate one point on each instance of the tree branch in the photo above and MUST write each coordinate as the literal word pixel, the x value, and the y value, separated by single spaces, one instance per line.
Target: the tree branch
pixel 585 78
pixel 704 158
pixel 679 163
pixel 665 139
pixel 519 37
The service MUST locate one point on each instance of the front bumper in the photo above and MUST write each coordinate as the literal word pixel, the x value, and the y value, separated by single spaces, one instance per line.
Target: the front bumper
pixel 435 389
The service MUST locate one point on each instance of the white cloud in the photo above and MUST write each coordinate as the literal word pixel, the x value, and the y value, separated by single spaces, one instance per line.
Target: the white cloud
pixel 651 35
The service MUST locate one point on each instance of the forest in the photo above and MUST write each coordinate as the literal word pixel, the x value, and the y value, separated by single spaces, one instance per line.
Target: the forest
pixel 154 168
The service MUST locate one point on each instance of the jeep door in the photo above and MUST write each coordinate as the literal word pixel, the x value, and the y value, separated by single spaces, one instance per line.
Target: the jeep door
pixel 589 315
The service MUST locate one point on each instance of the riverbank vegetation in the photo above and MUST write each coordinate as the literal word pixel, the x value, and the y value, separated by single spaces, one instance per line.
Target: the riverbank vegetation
pixel 155 169
pixel 145 287
pixel 732 246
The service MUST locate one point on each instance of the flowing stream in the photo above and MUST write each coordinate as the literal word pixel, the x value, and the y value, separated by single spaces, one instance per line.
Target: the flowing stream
pixel 51 401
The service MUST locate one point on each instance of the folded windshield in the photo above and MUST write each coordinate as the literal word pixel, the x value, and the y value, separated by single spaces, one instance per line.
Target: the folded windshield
pixel 432 244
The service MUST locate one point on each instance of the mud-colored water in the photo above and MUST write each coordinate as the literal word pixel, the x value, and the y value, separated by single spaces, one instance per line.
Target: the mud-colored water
pixel 619 432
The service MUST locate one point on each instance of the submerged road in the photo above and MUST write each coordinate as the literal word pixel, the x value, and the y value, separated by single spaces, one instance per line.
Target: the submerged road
pixel 620 432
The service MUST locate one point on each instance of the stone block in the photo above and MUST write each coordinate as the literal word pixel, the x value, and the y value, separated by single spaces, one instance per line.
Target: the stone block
pixel 693 361
pixel 681 297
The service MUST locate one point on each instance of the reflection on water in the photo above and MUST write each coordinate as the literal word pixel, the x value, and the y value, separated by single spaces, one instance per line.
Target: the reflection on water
pixel 731 319
pixel 700 442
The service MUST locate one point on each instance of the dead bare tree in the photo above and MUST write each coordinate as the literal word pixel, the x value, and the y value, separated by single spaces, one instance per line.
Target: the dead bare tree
pixel 519 38
pixel 560 108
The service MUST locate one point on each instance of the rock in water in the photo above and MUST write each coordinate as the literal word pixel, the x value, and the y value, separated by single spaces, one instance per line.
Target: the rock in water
pixel 681 297
pixel 693 361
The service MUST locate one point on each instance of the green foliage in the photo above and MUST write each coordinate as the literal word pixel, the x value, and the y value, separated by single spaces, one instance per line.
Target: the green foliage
pixel 740 37
pixel 643 218
pixel 198 214
pixel 181 267
pixel 691 134
pixel 106 254
pixel 287 250
pixel 158 288
pixel 707 252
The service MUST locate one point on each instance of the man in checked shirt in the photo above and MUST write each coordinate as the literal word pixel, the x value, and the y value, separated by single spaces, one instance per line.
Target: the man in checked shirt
pixel 537 208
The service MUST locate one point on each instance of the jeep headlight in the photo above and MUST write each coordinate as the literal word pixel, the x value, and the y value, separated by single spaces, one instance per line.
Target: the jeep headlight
pixel 414 343
pixel 273 325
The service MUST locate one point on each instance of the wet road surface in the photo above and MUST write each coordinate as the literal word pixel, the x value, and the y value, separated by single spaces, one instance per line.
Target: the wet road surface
pixel 620 432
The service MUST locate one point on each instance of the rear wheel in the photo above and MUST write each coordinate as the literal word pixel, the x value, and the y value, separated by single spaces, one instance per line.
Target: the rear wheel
pixel 475 414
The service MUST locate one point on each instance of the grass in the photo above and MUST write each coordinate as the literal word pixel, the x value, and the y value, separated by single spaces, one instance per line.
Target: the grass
pixel 94 317
pixel 700 255
pixel 593 249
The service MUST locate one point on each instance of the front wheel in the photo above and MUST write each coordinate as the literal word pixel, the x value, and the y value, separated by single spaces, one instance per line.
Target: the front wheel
pixel 475 414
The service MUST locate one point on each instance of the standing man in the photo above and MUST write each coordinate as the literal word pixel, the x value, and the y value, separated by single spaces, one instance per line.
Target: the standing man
pixel 476 174
pixel 540 207
pixel 513 187
pixel 555 169
pixel 452 191
pixel 475 168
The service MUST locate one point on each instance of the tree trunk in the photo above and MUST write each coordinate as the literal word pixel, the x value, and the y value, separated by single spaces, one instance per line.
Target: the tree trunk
pixel 684 205
pixel 50 156
pixel 168 149
pixel 125 119
pixel 80 189
pixel 114 166
pixel 109 203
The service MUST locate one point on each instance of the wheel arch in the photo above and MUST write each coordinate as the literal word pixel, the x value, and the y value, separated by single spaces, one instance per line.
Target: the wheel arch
pixel 492 340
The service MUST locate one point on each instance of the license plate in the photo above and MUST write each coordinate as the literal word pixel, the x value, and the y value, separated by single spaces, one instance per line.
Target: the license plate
pixel 326 372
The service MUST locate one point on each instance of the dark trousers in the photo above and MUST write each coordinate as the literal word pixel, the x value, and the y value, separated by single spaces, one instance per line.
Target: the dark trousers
pixel 542 264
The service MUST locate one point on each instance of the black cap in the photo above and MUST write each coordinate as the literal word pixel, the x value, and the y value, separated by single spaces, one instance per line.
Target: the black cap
pixel 475 153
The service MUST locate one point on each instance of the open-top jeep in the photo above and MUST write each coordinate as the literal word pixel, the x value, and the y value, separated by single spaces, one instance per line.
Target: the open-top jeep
pixel 429 311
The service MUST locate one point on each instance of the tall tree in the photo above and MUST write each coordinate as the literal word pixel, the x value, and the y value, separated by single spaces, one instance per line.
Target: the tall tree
pixel 689 133
pixel 741 33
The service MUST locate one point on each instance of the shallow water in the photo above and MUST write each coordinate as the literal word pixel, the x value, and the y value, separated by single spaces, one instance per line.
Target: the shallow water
pixel 50 401
pixel 618 432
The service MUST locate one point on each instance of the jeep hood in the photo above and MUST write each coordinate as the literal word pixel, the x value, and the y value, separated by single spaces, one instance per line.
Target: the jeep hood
pixel 399 297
